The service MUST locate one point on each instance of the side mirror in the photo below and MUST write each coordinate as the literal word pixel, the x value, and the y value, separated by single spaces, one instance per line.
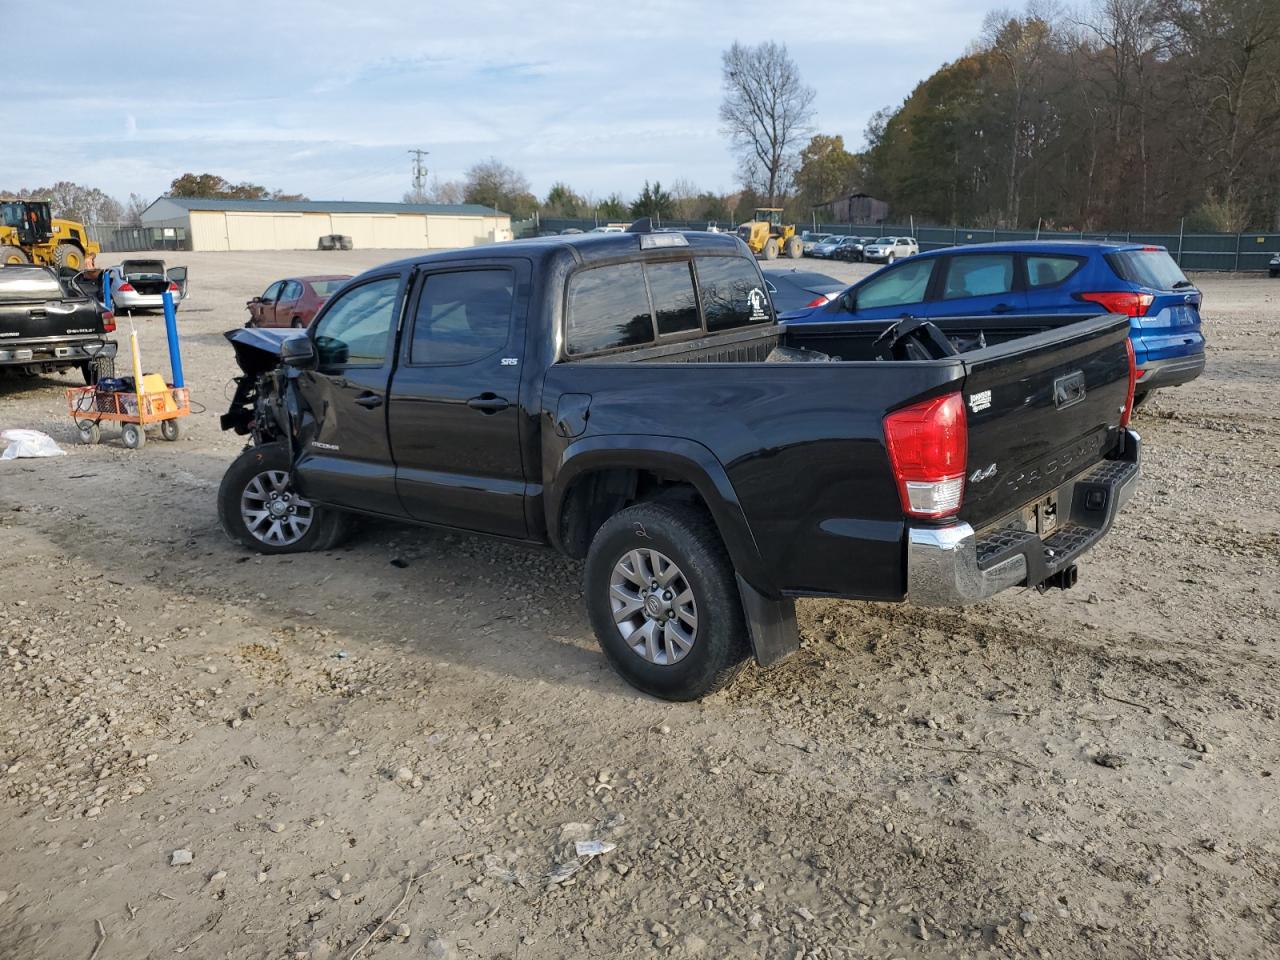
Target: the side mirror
pixel 298 352
pixel 849 301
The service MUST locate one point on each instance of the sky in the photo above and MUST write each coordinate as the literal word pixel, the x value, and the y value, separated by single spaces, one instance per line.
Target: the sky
pixel 325 97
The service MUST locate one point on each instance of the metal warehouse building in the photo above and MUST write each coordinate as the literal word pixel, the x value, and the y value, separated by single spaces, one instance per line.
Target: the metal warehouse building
pixel 298 225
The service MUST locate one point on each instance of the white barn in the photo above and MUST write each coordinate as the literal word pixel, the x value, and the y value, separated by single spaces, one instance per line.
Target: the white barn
pixel 299 224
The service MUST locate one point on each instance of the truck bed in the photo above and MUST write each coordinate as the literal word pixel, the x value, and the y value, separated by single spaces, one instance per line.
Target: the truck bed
pixel 817 428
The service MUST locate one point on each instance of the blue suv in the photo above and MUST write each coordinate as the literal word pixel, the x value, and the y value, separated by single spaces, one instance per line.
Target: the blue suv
pixel 1043 277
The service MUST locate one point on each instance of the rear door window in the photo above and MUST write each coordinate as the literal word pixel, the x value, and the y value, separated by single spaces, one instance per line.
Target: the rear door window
pixel 978 275
pixel 897 286
pixel 674 302
pixel 462 316
pixel 1149 267
pixel 732 293
pixel 1049 271
pixel 608 307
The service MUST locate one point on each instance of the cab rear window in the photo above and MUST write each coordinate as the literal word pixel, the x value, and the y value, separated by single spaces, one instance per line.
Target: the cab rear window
pixel 1149 268
pixel 732 293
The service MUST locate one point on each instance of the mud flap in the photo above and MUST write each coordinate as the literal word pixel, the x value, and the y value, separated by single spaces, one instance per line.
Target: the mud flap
pixel 771 624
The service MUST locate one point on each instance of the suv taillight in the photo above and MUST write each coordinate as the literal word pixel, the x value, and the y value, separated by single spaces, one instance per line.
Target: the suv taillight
pixel 173 287
pixel 108 322
pixel 1127 412
pixel 928 446
pixel 1125 302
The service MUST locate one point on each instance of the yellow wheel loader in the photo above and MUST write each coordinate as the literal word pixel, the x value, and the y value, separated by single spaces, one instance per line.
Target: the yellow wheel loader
pixel 766 235
pixel 28 234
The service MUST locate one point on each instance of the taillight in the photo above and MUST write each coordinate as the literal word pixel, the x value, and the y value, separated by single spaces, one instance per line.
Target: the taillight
pixel 1127 412
pixel 1121 301
pixel 173 287
pixel 928 448
pixel 108 322
pixel 125 288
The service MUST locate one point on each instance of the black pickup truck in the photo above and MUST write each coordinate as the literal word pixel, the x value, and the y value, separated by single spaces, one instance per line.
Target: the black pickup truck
pixel 632 400
pixel 48 325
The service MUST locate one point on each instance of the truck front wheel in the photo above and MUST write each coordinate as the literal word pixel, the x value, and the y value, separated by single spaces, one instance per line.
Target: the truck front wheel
pixel 259 508
pixel 663 601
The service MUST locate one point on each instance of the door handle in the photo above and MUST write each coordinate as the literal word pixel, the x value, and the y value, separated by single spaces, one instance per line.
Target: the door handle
pixel 369 400
pixel 488 403
pixel 1001 308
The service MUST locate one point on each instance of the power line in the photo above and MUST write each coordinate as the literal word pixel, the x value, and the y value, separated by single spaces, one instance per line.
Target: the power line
pixel 419 171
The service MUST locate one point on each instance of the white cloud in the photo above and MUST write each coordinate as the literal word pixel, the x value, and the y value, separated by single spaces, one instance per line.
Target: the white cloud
pixel 322 98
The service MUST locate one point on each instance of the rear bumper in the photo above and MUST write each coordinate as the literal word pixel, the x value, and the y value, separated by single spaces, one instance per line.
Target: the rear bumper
pixel 951 566
pixel 63 352
pixel 1170 372
pixel 123 300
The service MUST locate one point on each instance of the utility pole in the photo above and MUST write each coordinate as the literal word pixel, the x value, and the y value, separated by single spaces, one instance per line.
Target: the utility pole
pixel 419 172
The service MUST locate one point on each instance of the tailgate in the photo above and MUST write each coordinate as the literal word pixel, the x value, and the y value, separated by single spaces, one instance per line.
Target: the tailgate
pixel 49 320
pixel 1040 410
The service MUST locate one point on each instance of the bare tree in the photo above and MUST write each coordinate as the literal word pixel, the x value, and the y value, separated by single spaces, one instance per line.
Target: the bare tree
pixel 766 112
pixel 133 210
pixel 1019 45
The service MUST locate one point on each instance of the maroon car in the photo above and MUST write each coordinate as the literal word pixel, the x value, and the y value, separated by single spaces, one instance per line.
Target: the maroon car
pixel 292 302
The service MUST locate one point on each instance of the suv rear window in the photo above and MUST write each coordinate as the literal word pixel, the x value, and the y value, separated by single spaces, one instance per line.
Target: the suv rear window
pixel 733 294
pixel 1150 268
pixel 1047 271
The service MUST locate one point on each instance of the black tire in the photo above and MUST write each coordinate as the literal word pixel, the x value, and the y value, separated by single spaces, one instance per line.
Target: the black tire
pixel 89 432
pixel 328 527
pixel 12 254
pixel 889 260
pixel 688 537
pixel 169 429
pixel 134 437
pixel 297 323
pixel 795 248
pixel 771 249
pixel 97 369
pixel 68 256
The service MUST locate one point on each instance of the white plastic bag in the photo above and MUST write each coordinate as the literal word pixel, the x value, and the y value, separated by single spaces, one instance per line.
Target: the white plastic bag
pixel 29 443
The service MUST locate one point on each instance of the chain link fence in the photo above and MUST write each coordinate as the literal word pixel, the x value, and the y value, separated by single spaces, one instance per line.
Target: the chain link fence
pixel 1193 251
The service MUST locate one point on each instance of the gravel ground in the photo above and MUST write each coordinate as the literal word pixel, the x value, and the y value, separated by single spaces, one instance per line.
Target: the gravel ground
pixel 221 755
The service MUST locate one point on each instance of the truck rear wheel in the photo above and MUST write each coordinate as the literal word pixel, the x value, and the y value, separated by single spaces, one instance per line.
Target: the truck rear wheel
pixel 663 601
pixel 771 249
pixel 259 508
pixel 68 255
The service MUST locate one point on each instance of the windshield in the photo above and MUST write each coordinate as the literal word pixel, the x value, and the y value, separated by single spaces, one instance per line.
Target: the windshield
pixel 1150 267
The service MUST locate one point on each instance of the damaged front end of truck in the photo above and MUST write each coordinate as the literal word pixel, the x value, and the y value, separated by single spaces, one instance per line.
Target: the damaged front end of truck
pixel 266 404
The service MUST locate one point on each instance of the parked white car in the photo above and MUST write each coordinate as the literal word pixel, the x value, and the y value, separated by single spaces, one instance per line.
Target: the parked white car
pixel 141 284
pixel 889 249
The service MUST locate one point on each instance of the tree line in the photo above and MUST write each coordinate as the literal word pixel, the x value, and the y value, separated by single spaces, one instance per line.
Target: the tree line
pixel 1132 115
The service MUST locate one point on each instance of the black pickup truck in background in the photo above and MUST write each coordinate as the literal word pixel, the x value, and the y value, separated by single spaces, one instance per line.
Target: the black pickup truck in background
pixel 631 399
pixel 48 325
